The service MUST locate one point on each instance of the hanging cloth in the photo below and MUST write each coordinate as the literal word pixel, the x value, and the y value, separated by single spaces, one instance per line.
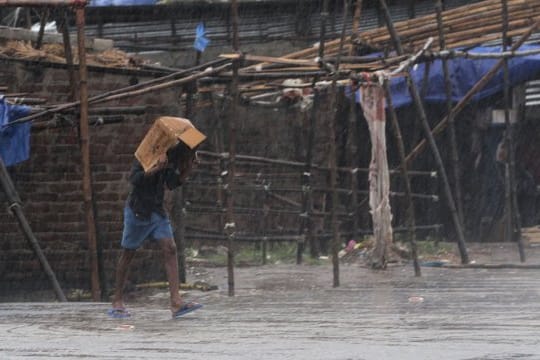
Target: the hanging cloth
pixel 14 140
pixel 373 105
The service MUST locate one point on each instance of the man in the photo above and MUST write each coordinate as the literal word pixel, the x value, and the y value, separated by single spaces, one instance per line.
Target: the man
pixel 145 218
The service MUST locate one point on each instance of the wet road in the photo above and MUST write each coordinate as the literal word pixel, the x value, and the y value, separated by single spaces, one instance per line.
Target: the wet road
pixel 290 312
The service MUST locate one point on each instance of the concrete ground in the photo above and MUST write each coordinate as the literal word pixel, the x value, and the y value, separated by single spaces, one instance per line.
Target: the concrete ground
pixel 293 312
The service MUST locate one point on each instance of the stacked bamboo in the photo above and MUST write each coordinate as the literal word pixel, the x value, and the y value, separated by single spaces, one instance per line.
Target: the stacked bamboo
pixel 464 26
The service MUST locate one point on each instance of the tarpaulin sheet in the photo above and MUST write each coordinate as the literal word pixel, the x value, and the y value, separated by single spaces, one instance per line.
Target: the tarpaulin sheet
pixel 464 74
pixel 14 140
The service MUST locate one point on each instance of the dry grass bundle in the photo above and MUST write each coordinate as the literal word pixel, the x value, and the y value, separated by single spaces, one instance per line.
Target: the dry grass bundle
pixel 111 58
pixel 55 53
pixel 24 50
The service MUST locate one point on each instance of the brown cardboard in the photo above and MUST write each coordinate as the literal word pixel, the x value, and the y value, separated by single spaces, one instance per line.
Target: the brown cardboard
pixel 165 133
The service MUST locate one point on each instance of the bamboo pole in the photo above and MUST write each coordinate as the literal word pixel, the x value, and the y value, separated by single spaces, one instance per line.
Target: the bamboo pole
pixel 411 220
pixel 433 145
pixel 46 3
pixel 265 222
pixel 14 205
pixel 69 55
pixel 42 22
pixel 309 156
pixel 305 216
pixel 179 208
pixel 336 241
pixel 354 203
pixel 230 226
pixel 353 118
pixel 269 161
pixel 514 219
pixel 138 89
pixel 451 123
pixel 355 24
pixel 85 152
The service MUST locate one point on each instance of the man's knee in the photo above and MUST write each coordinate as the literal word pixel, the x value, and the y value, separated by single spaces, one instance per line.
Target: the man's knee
pixel 168 247
pixel 127 255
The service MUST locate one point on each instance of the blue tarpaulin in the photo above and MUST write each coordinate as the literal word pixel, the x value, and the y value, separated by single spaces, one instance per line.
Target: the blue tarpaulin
pixel 14 140
pixel 464 73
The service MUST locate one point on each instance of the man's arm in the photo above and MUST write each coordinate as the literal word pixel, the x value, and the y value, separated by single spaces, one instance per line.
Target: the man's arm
pixel 173 178
pixel 137 174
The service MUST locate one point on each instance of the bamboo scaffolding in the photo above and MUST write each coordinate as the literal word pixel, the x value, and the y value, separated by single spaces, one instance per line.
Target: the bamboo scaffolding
pixel 451 128
pixel 431 140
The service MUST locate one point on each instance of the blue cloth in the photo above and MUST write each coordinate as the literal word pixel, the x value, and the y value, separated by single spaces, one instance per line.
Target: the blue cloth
pixel 14 140
pixel 464 74
pixel 201 41
pixel 138 229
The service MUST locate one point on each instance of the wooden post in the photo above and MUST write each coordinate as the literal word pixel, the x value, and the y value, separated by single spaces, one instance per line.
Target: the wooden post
pixel 69 55
pixel 433 145
pixel 411 220
pixel 179 208
pixel 351 138
pixel 266 211
pixel 513 216
pixel 14 204
pixel 451 119
pixel 230 226
pixel 354 203
pixel 355 24
pixel 85 151
pixel 306 221
pixel 309 157
pixel 43 21
pixel 336 239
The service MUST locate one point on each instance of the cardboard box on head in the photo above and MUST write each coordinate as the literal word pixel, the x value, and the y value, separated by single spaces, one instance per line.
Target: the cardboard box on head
pixel 165 133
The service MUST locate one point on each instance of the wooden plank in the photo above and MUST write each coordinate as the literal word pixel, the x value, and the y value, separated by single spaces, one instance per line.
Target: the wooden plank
pixel 270 59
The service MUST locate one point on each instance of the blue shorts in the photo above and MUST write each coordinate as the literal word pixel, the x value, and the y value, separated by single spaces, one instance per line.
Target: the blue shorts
pixel 137 229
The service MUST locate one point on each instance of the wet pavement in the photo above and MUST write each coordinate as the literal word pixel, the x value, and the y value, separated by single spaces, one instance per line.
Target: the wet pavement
pixel 293 312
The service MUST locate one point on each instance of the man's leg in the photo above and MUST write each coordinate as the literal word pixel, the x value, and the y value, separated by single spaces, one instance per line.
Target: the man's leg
pixel 122 271
pixel 168 247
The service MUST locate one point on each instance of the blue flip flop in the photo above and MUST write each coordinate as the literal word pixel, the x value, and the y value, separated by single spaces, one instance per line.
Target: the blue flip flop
pixel 186 308
pixel 118 313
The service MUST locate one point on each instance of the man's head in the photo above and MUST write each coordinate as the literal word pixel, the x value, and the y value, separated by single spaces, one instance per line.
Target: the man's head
pixel 182 157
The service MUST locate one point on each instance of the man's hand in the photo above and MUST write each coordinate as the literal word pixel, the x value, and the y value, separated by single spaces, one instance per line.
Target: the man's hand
pixel 160 164
pixel 186 166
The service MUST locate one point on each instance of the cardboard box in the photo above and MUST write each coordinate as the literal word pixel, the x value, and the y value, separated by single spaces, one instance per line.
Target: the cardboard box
pixel 166 132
